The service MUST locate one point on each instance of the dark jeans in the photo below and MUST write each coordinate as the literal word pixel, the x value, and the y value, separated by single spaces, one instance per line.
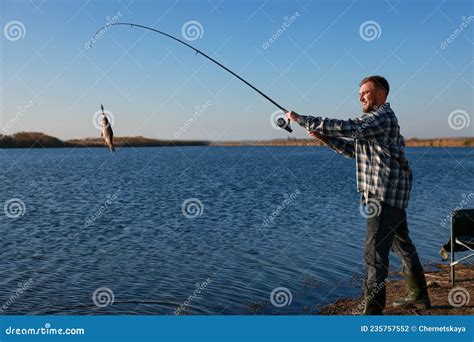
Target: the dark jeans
pixel 388 231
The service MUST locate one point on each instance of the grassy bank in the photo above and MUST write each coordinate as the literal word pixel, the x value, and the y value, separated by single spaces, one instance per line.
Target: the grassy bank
pixel 41 140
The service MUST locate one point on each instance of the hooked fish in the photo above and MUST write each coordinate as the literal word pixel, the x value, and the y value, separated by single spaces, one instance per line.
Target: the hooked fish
pixel 106 131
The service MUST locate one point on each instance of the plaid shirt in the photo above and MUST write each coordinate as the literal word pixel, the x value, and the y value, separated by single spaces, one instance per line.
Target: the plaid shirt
pixel 375 142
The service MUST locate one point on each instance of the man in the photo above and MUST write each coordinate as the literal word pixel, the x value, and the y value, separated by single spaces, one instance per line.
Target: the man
pixel 384 180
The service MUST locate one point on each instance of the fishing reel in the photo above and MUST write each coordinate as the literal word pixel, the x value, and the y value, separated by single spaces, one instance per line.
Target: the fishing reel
pixel 284 124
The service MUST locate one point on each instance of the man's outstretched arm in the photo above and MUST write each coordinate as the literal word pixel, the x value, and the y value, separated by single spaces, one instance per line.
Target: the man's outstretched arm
pixel 365 127
pixel 341 146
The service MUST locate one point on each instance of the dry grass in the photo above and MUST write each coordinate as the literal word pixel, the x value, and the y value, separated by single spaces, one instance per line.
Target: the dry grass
pixel 36 139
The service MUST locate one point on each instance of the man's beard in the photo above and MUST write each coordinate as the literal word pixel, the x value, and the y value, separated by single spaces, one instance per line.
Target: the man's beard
pixel 366 108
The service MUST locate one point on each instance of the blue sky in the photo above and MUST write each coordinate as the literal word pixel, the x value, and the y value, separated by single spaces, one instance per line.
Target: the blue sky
pixel 50 82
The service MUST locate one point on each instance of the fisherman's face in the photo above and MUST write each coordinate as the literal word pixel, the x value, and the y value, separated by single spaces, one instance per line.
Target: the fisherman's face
pixel 371 97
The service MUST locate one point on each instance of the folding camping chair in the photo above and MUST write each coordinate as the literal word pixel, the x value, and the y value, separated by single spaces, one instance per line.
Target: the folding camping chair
pixel 462 237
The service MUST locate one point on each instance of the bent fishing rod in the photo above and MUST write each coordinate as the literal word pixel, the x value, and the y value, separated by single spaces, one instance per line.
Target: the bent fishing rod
pixel 280 122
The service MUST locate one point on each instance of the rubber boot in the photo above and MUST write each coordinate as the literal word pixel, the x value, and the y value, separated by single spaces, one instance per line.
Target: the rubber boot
pixel 418 296
pixel 374 300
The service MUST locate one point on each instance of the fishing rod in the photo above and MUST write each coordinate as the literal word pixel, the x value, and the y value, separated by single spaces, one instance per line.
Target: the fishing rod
pixel 280 122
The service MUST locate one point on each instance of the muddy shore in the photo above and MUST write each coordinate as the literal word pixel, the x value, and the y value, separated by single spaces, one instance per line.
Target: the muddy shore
pixel 439 286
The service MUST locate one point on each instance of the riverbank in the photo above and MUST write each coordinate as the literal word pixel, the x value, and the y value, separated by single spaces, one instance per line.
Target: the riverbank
pixel 439 286
pixel 413 142
pixel 41 140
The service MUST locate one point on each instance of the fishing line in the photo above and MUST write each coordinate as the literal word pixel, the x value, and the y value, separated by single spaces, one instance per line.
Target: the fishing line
pixel 280 122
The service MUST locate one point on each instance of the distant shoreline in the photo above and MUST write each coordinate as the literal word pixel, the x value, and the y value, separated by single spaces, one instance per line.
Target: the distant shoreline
pixel 41 140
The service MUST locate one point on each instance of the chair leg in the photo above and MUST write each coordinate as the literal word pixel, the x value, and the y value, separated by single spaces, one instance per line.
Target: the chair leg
pixel 453 276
